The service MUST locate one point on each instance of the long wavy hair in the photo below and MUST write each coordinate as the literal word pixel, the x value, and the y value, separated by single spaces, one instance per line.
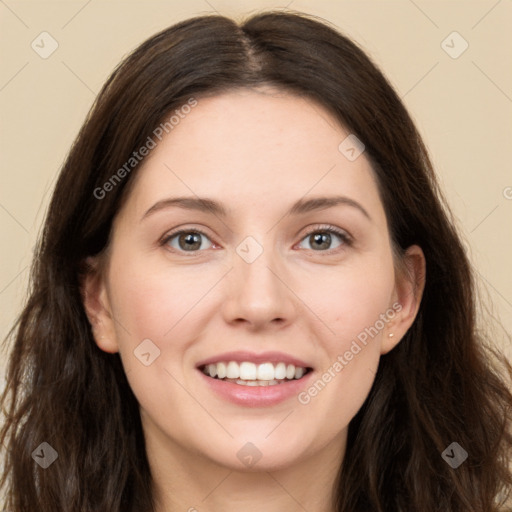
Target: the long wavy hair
pixel 445 381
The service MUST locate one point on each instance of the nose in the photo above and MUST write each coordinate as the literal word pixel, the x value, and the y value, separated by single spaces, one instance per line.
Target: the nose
pixel 259 293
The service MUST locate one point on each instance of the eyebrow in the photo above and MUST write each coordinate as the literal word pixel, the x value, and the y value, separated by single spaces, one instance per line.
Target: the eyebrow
pixel 208 205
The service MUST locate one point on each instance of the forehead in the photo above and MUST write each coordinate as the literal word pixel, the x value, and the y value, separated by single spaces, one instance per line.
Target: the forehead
pixel 254 148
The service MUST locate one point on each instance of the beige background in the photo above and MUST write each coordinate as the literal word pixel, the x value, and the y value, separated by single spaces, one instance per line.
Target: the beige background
pixel 462 106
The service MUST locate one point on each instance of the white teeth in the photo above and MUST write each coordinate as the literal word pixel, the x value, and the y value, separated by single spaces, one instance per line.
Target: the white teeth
pixel 280 371
pixel 233 370
pixel 255 382
pixel 252 374
pixel 266 371
pixel 247 371
pixel 221 370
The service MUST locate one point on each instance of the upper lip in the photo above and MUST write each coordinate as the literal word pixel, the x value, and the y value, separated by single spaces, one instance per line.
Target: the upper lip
pixel 240 356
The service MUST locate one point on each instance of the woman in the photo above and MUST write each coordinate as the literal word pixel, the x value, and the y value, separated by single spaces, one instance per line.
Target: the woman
pixel 249 294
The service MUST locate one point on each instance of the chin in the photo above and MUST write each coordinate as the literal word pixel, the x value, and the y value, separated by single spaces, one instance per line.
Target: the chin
pixel 257 454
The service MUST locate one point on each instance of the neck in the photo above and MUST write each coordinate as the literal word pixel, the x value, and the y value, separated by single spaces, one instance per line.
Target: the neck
pixel 187 481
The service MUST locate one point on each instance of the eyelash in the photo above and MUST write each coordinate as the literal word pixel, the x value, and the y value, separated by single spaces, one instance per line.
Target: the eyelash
pixel 326 228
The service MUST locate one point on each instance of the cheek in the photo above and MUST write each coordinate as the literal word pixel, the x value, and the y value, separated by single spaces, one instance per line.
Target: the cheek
pixel 354 305
pixel 160 303
pixel 351 300
pixel 146 304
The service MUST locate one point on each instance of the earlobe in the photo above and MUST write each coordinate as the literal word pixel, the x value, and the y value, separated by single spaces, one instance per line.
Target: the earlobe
pixel 389 342
pixel 410 283
pixel 97 308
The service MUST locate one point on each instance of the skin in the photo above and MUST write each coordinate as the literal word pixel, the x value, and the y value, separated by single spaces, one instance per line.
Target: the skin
pixel 257 152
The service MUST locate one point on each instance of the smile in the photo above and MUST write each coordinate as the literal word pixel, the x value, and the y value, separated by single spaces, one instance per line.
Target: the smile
pixel 247 373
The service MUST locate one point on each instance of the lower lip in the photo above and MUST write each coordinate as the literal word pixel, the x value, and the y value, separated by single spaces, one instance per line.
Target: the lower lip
pixel 257 396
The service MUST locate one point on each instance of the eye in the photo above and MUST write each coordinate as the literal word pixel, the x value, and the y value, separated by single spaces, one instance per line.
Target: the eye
pixel 187 240
pixel 191 240
pixel 321 237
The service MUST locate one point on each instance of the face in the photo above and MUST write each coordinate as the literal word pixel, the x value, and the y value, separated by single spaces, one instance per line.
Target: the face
pixel 267 276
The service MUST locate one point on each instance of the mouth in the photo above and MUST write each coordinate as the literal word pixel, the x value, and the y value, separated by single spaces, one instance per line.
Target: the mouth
pixel 249 379
pixel 248 373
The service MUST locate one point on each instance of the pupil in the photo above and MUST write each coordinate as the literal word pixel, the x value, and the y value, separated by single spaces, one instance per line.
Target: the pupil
pixel 318 237
pixel 191 241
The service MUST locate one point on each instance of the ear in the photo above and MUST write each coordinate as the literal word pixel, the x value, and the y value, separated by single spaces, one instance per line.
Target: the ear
pixel 97 307
pixel 409 286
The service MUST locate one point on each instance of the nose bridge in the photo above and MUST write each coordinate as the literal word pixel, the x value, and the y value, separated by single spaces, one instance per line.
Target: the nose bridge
pixel 254 265
pixel 257 291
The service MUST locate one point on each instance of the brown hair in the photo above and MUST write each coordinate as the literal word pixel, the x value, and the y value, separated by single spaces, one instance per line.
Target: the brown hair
pixel 442 383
